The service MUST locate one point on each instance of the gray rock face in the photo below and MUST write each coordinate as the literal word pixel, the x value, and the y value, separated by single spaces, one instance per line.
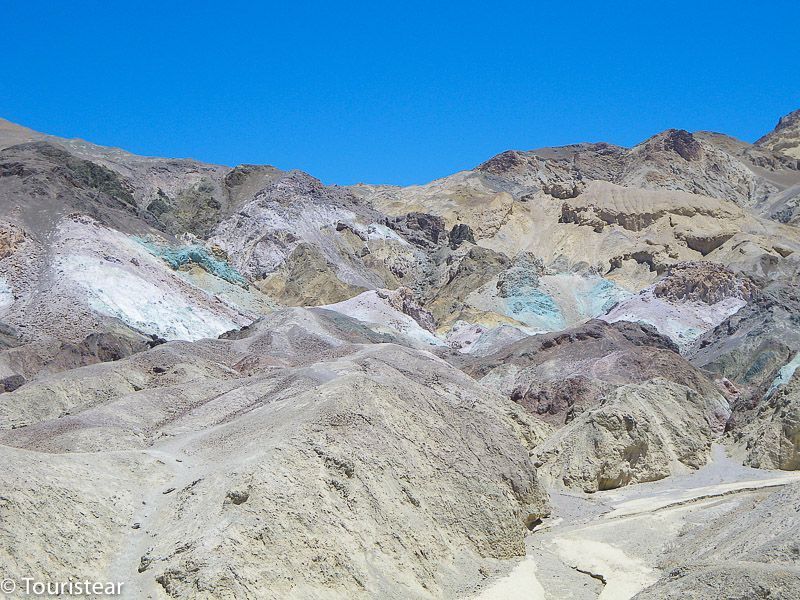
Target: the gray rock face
pixel 560 169
pixel 294 208
pixel 751 556
pixel 750 347
pixel 522 277
pixel 420 229
pixel 628 407
pixel 736 582
pixel 708 164
pixel 703 282
pixel 56 183
pixel 459 234
pixel 772 436
pixel 785 138
pixel 702 163
pixel 638 433
pixel 558 376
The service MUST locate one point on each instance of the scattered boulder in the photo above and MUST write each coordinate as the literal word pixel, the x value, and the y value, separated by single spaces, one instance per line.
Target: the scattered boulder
pixel 459 234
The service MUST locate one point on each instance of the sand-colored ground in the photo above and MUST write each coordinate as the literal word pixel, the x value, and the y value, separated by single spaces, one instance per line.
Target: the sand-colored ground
pixel 608 545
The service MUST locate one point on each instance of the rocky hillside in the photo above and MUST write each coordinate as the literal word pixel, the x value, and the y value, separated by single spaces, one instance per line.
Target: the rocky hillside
pixel 785 138
pixel 261 386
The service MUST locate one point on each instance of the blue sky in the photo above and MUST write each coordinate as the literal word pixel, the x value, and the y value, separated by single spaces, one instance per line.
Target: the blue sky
pixel 392 92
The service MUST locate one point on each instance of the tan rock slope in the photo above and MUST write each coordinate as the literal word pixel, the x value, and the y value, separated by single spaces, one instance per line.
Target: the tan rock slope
pixel 639 433
pixel 752 556
pixel 772 439
pixel 230 469
pixel 785 138
pixel 628 408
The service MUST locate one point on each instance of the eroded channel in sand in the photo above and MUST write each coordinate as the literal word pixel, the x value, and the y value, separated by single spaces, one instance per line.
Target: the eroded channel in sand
pixel 616 537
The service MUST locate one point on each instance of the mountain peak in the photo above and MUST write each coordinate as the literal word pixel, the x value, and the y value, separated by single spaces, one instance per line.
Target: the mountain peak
pixel 785 138
pixel 788 120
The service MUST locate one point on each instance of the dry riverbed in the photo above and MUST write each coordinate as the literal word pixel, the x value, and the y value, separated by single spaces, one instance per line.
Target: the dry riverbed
pixel 610 545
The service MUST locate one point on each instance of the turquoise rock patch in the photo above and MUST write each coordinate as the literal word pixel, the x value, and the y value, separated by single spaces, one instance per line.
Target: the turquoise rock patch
pixel 194 254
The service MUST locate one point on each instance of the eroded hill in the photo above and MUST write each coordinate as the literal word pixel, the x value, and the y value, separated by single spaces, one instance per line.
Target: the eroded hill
pixel 239 382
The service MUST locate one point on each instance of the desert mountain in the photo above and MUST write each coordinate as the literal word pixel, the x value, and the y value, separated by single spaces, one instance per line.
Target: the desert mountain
pixel 534 376
pixel 785 138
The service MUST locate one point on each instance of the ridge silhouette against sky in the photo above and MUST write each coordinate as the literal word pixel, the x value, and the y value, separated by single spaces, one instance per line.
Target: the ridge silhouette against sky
pixel 391 92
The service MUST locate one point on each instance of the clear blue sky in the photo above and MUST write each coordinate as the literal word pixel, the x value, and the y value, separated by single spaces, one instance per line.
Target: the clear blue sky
pixel 395 92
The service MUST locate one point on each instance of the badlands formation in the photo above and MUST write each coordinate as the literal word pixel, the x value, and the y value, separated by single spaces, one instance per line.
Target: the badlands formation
pixel 567 373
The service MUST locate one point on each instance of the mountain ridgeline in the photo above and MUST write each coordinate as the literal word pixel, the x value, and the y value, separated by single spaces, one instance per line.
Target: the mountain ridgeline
pixel 261 386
